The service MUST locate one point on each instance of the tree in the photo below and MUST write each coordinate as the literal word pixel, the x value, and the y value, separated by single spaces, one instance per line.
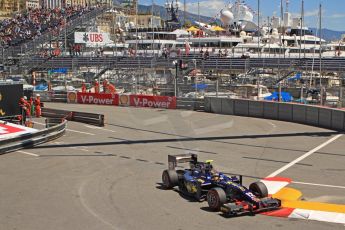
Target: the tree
pixel 214 23
pixel 187 24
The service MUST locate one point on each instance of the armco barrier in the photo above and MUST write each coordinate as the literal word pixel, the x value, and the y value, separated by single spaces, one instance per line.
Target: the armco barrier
pixel 52 96
pixel 32 139
pixel 59 96
pixel 88 118
pixel 190 103
pixel 304 114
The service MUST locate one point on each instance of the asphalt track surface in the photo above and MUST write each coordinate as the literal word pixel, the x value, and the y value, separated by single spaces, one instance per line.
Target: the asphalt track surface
pixel 109 178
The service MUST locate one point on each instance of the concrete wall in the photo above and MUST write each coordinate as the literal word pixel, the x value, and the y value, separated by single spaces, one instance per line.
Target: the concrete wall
pixel 241 107
pixel 256 108
pixel 271 110
pixel 227 106
pixel 304 114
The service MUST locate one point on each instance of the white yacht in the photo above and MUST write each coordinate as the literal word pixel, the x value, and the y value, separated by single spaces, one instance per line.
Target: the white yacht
pixel 238 37
pixel 336 48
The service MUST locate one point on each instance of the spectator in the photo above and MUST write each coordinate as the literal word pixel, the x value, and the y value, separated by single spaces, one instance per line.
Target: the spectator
pixel 207 54
pixel 30 24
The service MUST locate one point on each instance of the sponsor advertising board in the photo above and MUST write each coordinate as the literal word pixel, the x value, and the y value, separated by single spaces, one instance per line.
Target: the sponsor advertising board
pixel 153 101
pixel 92 38
pixel 9 99
pixel 71 97
pixel 124 100
pixel 98 98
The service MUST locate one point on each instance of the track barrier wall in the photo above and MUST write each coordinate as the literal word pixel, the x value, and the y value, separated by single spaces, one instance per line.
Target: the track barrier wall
pixel 164 102
pixel 32 139
pixel 304 114
pixel 88 118
pixel 190 104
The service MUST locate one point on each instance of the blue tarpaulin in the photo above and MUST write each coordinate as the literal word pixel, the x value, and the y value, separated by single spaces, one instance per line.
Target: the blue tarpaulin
pixel 41 87
pixel 285 97
pixel 296 77
pixel 200 86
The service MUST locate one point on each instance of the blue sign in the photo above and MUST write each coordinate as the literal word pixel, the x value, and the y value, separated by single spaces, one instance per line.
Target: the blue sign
pixel 58 70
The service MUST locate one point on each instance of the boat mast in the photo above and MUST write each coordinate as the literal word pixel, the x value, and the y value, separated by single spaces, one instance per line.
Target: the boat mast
pixel 199 23
pixel 259 54
pixel 184 12
pixel 303 24
pixel 258 36
pixel 282 25
pixel 152 30
pixel 320 54
pixel 301 30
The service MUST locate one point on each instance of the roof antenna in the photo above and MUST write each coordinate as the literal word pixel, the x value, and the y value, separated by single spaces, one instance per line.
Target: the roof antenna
pixel 287 5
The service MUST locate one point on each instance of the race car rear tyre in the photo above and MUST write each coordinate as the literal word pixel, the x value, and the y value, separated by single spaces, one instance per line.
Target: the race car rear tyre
pixel 216 197
pixel 259 189
pixel 169 179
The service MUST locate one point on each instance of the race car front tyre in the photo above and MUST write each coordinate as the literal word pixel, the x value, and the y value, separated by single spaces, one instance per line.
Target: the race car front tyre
pixel 216 197
pixel 169 179
pixel 198 192
pixel 259 189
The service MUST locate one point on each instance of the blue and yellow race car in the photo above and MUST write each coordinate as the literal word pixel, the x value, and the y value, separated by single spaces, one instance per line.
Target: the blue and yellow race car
pixel 223 193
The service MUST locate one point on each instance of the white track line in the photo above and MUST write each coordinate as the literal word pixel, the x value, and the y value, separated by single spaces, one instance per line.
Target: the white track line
pixel 94 127
pixel 27 153
pixel 39 123
pixel 76 131
pixel 304 156
pixel 71 130
pixel 320 185
pixel 79 148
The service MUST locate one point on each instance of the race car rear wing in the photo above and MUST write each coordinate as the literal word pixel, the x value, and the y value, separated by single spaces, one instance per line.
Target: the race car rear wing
pixel 173 160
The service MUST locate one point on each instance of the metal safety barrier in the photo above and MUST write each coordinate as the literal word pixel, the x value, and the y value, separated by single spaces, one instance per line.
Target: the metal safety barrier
pixel 190 104
pixel 59 96
pixel 88 118
pixel 32 139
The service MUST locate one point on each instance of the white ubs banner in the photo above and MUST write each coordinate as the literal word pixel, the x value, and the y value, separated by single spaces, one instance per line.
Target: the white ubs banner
pixel 92 38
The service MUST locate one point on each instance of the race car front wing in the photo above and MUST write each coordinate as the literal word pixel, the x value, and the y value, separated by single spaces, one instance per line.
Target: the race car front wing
pixel 242 208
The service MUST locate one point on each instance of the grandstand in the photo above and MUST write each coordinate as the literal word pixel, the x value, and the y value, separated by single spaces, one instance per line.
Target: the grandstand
pixel 22 36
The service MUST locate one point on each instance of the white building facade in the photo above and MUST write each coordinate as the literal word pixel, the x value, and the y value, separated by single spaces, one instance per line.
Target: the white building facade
pixel 51 4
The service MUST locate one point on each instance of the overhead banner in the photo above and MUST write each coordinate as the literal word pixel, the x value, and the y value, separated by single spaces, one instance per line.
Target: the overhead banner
pixel 153 101
pixel 98 98
pixel 92 38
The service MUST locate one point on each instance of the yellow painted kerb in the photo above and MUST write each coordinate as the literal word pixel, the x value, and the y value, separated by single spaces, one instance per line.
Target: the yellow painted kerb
pixel 290 199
